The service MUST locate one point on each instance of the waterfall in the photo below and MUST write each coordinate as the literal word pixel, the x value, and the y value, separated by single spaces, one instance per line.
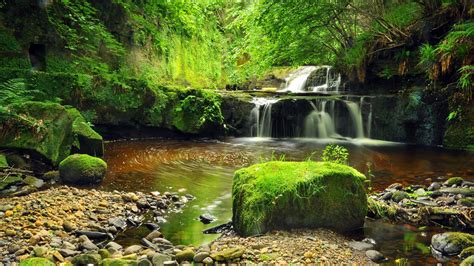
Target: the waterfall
pixel 319 123
pixel 356 115
pixel 323 80
pixel 261 115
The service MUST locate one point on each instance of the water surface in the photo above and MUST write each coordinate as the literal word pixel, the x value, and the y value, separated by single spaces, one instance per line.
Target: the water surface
pixel 205 169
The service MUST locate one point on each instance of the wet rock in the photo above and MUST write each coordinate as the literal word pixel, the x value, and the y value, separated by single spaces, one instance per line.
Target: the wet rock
pixel 132 249
pixel 92 234
pixel 40 251
pixel 113 245
pixel 375 256
pixel 451 243
pixel 434 186
pixel 88 245
pixel 200 256
pixel 468 202
pixel 228 254
pixel 454 181
pixel 68 252
pixel 206 218
pixel 67 245
pixel 118 223
pixel 361 246
pixel 399 196
pixel 162 242
pixel 51 176
pixel 463 191
pixel 118 262
pixel 152 226
pixel 159 259
pixel 185 255
pixel 86 259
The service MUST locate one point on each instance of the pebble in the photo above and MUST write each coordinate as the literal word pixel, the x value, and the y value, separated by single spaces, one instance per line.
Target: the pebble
pixel 375 256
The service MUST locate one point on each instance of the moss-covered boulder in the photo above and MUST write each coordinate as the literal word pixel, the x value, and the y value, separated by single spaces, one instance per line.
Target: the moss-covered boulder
pixel 82 169
pixel 451 243
pixel 285 195
pixel 86 140
pixel 45 128
pixel 48 129
pixel 460 131
pixel 36 262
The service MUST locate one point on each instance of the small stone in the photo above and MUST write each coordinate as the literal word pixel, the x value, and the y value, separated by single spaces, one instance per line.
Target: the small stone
pixel 144 262
pixel 89 245
pixel 185 255
pixel 375 256
pixel 68 226
pixel 153 235
pixel 8 213
pixel 399 196
pixel 200 256
pixel 434 186
pixel 113 245
pixel 86 259
pixel 209 261
pixel 159 259
pixel 104 253
pixel 206 218
pixel 40 251
pixel 360 246
pixel 132 249
pixel 10 232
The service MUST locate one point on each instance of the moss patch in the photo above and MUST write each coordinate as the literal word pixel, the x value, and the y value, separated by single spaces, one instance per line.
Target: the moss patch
pixel 86 140
pixel 3 161
pixel 454 181
pixel 36 262
pixel 282 195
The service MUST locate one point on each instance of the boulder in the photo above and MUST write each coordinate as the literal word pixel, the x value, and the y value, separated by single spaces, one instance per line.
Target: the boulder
pixel 451 243
pixel 82 169
pixel 47 129
pixel 286 195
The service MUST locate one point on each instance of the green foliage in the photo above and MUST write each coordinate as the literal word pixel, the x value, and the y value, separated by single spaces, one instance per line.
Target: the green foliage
pixel 8 43
pixel 335 154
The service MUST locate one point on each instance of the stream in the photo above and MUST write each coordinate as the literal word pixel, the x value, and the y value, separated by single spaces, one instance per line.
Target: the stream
pixel 204 168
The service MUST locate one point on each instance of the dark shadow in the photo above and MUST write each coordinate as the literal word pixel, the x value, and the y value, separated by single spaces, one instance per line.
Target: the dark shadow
pixel 37 53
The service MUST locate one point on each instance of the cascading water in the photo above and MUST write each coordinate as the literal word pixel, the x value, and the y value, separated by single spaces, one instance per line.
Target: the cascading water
pixel 319 123
pixel 356 115
pixel 321 79
pixel 261 116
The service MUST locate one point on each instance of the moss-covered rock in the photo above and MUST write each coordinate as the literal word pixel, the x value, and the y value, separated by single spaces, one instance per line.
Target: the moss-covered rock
pixel 469 261
pixel 228 254
pixel 454 181
pixel 185 255
pixel 86 259
pixel 86 140
pixel 82 169
pixel 284 195
pixel 45 128
pixel 3 161
pixel 460 131
pixel 9 180
pixel 452 243
pixel 398 196
pixel 36 262
pixel 467 252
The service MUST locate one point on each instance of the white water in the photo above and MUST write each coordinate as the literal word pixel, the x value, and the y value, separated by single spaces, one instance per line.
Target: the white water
pixel 356 115
pixel 319 123
pixel 261 115
pixel 327 81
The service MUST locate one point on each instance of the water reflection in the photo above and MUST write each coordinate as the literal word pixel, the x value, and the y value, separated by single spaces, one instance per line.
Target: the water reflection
pixel 205 169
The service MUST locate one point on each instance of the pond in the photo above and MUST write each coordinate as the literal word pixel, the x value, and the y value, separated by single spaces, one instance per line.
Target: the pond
pixel 204 168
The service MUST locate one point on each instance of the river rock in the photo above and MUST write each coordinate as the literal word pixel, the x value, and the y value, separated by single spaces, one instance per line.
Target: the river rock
pixel 334 197
pixel 40 251
pixel 200 256
pixel 69 226
pixel 454 181
pixel 159 259
pixel 82 169
pixel 185 255
pixel 228 254
pixel 88 245
pixel 206 218
pixel 9 180
pixel 434 186
pixel 118 262
pixel 361 246
pixel 451 243
pixel 86 259
pixel 463 191
pixel 132 249
pixel 118 223
pixel 153 235
pixel 33 181
pixel 113 245
pixel 208 261
pixel 375 256
pixel 144 262
pixel 399 196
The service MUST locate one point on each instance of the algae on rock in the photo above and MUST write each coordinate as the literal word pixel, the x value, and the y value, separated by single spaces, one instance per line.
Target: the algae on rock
pixel 285 195
pixel 82 169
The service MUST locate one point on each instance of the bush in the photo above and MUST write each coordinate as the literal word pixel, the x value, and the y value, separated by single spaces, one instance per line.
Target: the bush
pixel 335 154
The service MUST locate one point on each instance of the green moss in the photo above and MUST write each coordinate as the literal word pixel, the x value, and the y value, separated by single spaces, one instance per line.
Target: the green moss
pixel 379 209
pixel 277 195
pixel 185 255
pixel 43 127
pixel 8 42
pixel 9 180
pixel 460 132
pixel 469 261
pixel 3 161
pixel 268 256
pixel 36 262
pixel 86 259
pixel 454 181
pixel 86 140
pixel 468 202
pixel 118 262
pixel 400 195
pixel 82 169
pixel 467 252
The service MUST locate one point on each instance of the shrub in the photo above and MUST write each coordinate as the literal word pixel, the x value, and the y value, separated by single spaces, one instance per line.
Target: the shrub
pixel 335 154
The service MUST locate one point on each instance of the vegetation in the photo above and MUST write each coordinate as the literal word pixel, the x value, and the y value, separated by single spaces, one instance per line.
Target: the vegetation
pixel 335 154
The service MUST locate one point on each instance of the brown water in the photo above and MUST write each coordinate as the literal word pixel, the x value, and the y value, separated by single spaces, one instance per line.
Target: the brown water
pixel 205 168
